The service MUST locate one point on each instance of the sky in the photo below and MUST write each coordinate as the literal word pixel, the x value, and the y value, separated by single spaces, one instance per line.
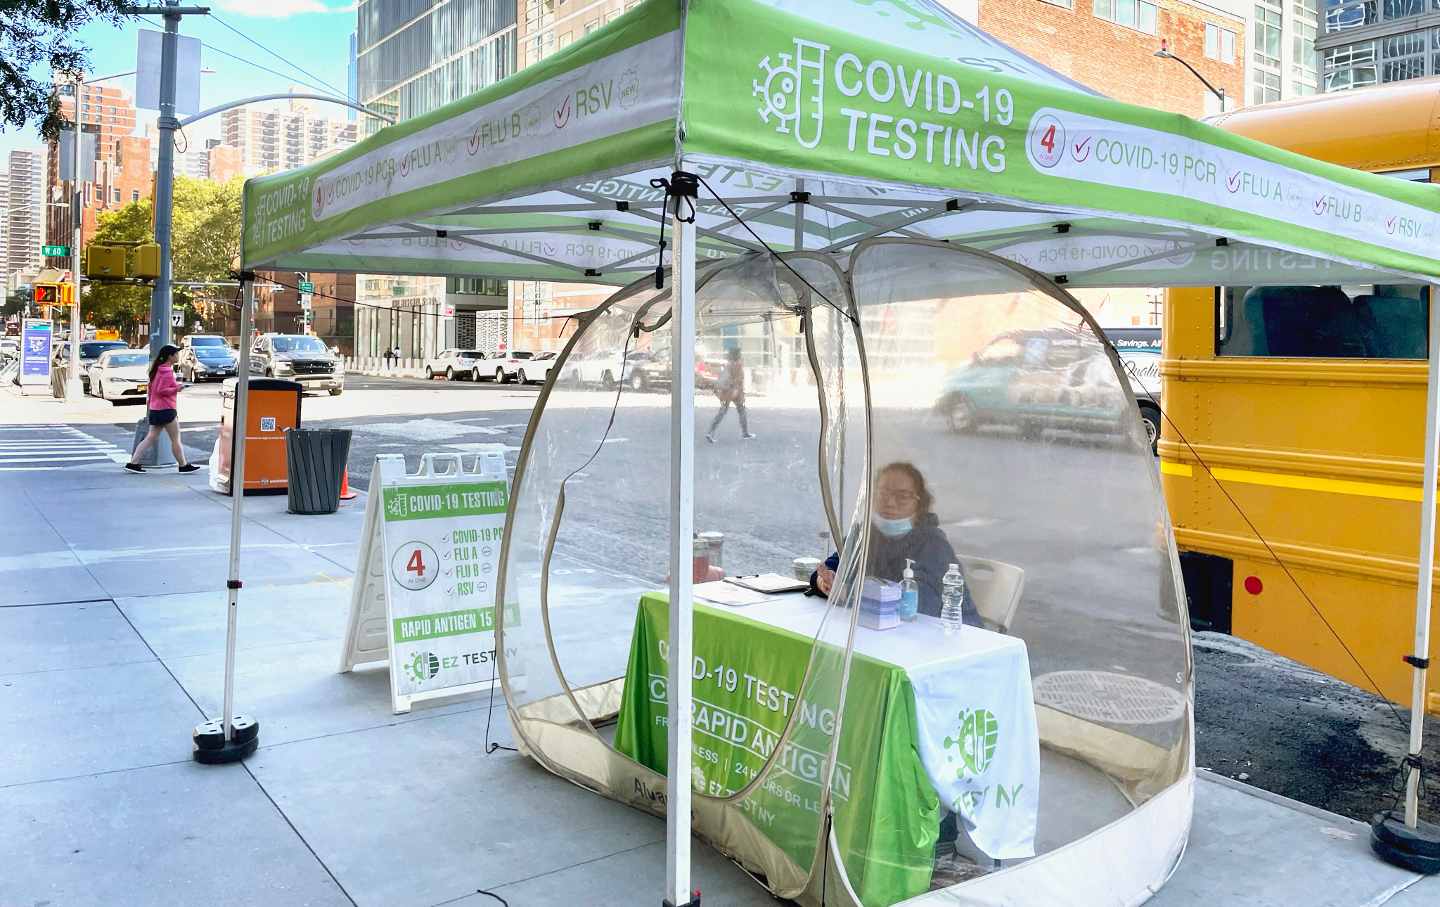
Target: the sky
pixel 313 33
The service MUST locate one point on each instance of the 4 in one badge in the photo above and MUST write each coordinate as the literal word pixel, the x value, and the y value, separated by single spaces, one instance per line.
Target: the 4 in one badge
pixel 414 566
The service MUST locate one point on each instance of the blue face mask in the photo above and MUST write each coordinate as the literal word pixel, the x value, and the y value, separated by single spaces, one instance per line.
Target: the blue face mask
pixel 892 529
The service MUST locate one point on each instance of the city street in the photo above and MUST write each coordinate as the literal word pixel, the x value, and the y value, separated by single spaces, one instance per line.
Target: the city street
pixel 1261 719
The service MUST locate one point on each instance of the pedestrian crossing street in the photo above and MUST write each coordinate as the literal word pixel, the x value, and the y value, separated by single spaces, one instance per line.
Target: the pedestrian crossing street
pixel 43 448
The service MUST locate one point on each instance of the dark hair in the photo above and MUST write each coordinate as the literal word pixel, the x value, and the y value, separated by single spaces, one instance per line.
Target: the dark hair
pixel 733 352
pixel 908 470
pixel 166 352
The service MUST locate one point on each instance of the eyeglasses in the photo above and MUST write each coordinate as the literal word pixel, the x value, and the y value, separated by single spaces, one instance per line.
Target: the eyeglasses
pixel 897 497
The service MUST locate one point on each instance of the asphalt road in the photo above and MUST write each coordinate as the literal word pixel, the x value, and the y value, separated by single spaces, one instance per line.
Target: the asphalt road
pixel 1073 512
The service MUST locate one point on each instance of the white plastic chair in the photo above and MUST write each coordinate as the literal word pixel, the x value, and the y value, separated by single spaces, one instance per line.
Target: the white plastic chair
pixel 995 589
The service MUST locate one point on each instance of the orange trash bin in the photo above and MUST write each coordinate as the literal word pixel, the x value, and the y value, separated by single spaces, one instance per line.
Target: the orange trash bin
pixel 274 407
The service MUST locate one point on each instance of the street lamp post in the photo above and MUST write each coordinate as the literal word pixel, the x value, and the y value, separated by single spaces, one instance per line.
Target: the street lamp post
pixel 1165 54
pixel 74 390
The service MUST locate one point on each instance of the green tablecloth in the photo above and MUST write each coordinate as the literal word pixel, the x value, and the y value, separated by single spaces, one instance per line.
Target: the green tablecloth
pixel 747 678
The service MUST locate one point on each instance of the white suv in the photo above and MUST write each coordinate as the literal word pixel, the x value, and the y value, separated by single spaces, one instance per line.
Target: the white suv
pixel 524 366
pixel 457 364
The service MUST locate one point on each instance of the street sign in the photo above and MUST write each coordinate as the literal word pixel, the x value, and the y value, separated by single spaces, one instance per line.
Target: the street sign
pixel 177 318
pixel 55 251
pixel 307 287
pixel 187 72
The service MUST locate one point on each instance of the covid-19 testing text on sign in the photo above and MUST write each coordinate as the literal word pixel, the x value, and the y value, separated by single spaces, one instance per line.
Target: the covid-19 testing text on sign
pixel 425 587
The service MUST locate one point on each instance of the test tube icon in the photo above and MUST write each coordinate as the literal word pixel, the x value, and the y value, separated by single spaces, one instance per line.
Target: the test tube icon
pixel 793 92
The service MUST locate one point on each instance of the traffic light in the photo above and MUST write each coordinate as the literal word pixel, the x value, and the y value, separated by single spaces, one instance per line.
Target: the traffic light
pixel 47 294
pixel 67 294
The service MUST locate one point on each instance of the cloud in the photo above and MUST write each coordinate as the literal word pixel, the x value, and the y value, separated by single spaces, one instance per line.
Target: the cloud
pixel 282 9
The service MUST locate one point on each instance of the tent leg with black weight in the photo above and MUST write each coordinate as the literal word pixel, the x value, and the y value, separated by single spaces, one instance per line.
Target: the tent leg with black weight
pixel 233 737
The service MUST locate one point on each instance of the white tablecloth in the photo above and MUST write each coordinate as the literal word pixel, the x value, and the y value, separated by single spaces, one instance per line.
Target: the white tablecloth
pixel 974 711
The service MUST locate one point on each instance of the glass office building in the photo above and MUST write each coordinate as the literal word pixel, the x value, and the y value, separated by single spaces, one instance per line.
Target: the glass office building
pixel 413 56
pixel 1370 42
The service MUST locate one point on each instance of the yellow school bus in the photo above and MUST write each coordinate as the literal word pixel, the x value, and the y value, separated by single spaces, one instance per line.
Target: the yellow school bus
pixel 1297 416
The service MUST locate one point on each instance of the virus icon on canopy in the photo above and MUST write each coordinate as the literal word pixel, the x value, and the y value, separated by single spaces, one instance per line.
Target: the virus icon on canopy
pixel 792 94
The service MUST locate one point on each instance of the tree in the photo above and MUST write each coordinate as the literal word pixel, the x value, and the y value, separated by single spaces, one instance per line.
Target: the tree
pixel 123 307
pixel 206 228
pixel 17 303
pixel 39 33
pixel 205 246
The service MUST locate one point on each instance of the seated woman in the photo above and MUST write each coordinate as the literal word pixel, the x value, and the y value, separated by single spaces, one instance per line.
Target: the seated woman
pixel 904 527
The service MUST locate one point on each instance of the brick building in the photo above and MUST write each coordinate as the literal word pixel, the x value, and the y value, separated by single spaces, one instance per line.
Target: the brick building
pixel 1109 45
pixel 122 171
pixel 224 163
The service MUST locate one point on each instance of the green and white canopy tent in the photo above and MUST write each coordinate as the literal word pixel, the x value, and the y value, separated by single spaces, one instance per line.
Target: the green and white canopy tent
pixel 822 125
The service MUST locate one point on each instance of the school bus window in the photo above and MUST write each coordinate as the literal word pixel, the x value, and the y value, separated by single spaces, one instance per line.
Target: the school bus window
pixel 1334 322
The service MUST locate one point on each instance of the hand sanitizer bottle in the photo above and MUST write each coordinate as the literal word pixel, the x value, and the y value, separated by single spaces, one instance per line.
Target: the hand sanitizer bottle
pixel 909 593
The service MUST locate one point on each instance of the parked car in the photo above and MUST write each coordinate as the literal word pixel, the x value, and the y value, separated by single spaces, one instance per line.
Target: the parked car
pixel 457 364
pixel 206 357
pixel 595 367
pixel 536 369
pixel 1032 380
pixel 90 352
pixel 298 357
pixel 9 349
pixel 121 376
pixel 508 366
pixel 650 371
pixel 1139 350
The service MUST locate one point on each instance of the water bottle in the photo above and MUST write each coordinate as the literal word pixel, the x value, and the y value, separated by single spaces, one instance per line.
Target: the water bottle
pixel 952 600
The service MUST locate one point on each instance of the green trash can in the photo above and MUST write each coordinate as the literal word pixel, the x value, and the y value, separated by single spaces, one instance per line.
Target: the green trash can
pixel 316 458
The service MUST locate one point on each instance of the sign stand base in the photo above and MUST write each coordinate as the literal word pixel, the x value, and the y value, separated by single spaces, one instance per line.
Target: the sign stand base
pixel 211 747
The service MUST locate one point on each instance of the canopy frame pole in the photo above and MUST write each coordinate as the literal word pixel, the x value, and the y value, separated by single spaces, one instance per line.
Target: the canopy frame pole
pixel 1424 591
pixel 874 221
pixel 234 737
pixel 684 189
pixel 798 243
pixel 660 219
pixel 237 493
pixel 937 210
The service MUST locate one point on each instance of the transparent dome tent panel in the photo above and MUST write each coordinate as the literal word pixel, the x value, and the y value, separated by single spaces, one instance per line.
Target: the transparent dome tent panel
pixel 991 386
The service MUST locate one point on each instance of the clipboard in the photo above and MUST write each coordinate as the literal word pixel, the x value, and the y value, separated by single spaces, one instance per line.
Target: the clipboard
pixel 769 583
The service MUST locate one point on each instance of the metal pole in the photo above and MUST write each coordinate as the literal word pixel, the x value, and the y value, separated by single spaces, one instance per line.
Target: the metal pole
pixel 1425 587
pixel 682 533
pixel 237 497
pixel 165 180
pixel 74 390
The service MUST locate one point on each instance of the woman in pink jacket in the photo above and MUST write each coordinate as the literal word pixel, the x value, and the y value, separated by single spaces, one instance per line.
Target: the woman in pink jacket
pixel 160 406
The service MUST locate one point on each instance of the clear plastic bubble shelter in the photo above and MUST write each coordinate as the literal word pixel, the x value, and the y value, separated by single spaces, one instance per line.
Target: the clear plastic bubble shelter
pixel 1052 734
pixel 862 361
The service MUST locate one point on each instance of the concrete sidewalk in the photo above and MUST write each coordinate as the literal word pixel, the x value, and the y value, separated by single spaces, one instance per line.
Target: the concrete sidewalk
pixel 112 622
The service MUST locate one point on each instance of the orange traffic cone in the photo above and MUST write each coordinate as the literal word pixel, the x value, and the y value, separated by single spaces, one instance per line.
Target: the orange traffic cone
pixel 345 493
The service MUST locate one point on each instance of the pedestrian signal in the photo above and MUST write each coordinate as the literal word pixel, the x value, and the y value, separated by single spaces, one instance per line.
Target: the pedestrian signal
pixel 104 261
pixel 147 262
pixel 47 294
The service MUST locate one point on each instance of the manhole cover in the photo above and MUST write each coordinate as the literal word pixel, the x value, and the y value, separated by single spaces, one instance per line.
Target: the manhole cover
pixel 1108 697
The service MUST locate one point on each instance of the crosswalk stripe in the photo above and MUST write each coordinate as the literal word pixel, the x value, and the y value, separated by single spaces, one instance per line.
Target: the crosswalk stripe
pixel 46 448
pixel 65 459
